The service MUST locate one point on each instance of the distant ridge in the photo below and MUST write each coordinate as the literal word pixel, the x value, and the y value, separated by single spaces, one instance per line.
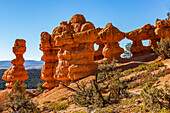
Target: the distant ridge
pixel 29 64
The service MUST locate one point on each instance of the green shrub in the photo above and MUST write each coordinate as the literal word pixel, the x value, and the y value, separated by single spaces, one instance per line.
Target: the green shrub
pixel 62 98
pixel 39 89
pixel 19 101
pixel 46 101
pixel 143 67
pixel 60 106
pixel 155 99
pixel 93 96
pixel 163 48
pixel 128 71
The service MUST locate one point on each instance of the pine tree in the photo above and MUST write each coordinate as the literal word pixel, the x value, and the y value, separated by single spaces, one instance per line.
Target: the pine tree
pixel 19 101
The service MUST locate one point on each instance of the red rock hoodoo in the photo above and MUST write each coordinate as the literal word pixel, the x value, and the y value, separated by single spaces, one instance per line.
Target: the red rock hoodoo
pixel 17 71
pixel 110 36
pixel 69 52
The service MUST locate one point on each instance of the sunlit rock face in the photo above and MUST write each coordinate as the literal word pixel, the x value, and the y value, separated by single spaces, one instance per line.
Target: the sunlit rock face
pixel 148 32
pixel 144 33
pixel 110 36
pixel 17 71
pixel 69 52
pixel 162 28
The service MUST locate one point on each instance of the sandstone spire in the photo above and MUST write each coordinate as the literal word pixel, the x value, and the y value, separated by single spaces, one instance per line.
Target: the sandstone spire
pixel 17 71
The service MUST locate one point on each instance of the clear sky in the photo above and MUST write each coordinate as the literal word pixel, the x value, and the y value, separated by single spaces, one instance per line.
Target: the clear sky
pixel 26 19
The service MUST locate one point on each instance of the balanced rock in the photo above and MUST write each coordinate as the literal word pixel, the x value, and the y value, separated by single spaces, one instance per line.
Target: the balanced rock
pixel 17 71
pixel 110 36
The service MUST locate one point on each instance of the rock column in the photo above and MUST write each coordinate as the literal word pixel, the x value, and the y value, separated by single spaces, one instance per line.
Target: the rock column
pixel 110 36
pixel 50 58
pixel 17 71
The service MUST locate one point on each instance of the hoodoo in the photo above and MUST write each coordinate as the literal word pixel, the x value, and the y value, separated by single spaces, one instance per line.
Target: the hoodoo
pixel 17 71
pixel 69 52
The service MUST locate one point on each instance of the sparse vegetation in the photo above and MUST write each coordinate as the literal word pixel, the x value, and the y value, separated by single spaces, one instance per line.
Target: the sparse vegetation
pixel 39 89
pixel 163 48
pixel 46 101
pixel 155 99
pixel 19 101
pixel 62 98
pixel 145 77
pixel 60 106
pixel 109 82
pixel 144 67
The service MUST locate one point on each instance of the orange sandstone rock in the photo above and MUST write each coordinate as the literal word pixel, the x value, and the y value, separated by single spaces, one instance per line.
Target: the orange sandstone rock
pixel 144 33
pixel 17 71
pixel 86 26
pixel 162 28
pixel 68 52
pixel 110 36
pixel 77 18
pixel 50 59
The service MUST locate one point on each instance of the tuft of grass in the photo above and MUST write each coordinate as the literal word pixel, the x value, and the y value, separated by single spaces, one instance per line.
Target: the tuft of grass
pixel 60 106
pixel 79 112
pixel 134 85
pixel 46 101
pixel 62 98
pixel 144 67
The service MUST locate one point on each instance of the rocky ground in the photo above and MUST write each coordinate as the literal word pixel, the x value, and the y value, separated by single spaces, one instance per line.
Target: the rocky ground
pixel 127 105
pixel 57 93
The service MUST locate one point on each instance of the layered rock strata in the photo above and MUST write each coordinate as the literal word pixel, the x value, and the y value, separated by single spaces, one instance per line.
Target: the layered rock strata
pixel 17 71
pixel 144 33
pixel 50 58
pixel 110 36
pixel 69 52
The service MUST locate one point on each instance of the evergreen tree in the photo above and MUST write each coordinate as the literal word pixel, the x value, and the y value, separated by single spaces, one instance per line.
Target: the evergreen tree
pixel 19 101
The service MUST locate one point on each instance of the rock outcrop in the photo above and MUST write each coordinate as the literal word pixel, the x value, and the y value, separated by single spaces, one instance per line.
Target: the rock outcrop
pixel 69 52
pixel 162 28
pixel 110 36
pixel 17 71
pixel 148 32
pixel 50 58
pixel 144 33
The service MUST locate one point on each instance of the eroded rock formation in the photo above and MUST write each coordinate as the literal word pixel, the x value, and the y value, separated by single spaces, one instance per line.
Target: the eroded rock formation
pixel 110 36
pixel 162 28
pixel 144 33
pixel 50 58
pixel 148 32
pixel 17 71
pixel 69 52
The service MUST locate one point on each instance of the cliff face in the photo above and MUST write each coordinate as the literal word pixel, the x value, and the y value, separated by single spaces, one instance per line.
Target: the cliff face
pixel 17 71
pixel 69 52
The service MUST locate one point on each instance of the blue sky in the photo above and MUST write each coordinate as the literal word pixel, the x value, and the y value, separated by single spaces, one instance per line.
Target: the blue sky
pixel 26 19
